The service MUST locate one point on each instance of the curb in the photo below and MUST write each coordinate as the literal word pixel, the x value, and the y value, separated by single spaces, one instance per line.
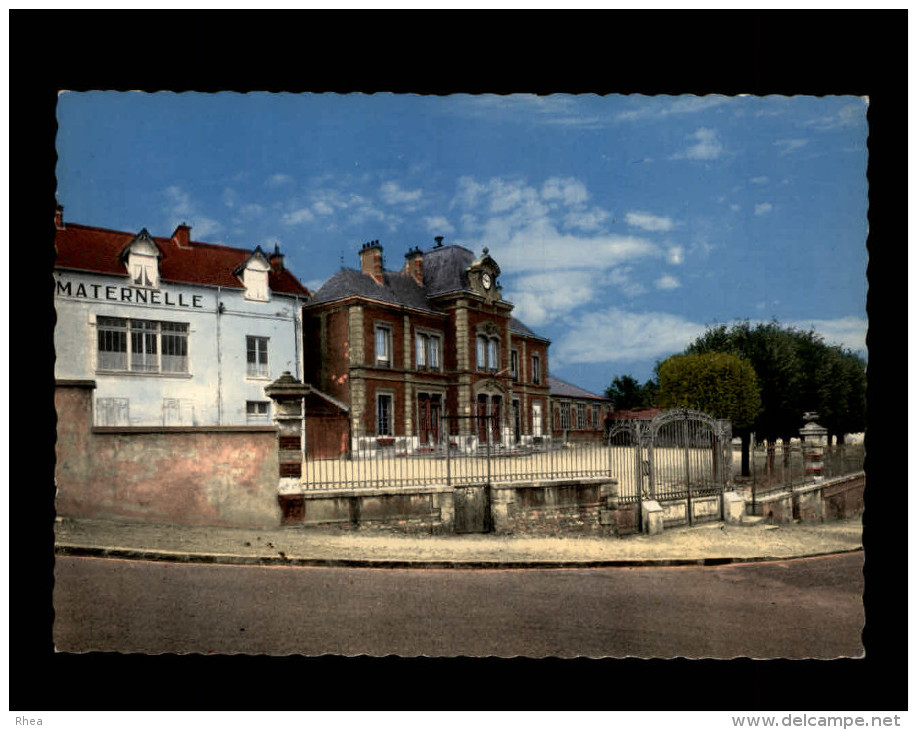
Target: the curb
pixel 430 564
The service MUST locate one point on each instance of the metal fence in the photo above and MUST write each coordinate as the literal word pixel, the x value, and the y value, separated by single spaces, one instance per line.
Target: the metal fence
pixel 679 454
pixel 456 450
pixel 781 466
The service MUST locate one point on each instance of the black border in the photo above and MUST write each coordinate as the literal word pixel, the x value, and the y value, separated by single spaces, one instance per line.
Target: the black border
pixel 651 52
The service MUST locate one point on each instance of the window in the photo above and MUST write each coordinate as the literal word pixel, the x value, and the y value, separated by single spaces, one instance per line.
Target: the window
pixel 383 346
pixel 255 281
pixel 256 356
pixel 113 412
pixel 536 369
pixel 155 347
pixel 427 351
pixel 595 417
pixel 581 416
pixel 174 347
pixel 144 270
pixel 384 412
pixel 564 420
pixel 488 353
pixel 514 363
pixel 493 355
pixel 257 410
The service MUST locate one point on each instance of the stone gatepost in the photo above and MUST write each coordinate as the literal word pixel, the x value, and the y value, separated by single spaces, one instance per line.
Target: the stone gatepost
pixel 813 441
pixel 287 393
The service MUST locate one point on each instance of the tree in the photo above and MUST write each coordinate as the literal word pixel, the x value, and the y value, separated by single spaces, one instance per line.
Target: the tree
pixel 720 384
pixel 626 393
pixel 797 372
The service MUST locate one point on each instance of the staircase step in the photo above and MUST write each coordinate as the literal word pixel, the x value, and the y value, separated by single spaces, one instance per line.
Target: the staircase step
pixel 752 520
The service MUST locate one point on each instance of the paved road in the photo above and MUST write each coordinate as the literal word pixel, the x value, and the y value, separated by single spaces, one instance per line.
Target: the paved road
pixel 797 608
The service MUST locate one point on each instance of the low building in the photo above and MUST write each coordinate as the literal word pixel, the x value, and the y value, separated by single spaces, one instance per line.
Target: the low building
pixel 578 414
pixel 170 331
pixel 425 349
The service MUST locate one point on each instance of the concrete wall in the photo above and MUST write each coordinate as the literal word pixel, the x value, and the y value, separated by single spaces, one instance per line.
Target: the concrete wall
pixel 830 499
pixel 555 507
pixel 195 475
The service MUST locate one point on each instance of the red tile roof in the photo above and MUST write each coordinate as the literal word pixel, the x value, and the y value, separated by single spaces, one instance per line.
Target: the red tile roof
pixel 635 414
pixel 86 248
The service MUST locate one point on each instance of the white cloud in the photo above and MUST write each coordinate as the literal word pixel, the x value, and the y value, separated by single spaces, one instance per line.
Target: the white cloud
pixel 760 180
pixel 649 222
pixel 662 107
pixel 300 215
pixel 707 146
pixel 569 191
pixel 675 255
pixel 848 115
pixel 618 336
pixel 393 194
pixel 545 297
pixel 763 208
pixel 278 179
pixel 438 225
pixel 790 145
pixel 586 220
pixel 849 332
pixel 179 208
pixel 667 282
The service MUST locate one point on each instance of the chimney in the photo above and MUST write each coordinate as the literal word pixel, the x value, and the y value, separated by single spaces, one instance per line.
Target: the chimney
pixel 182 235
pixel 276 260
pixel 413 264
pixel 59 218
pixel 371 261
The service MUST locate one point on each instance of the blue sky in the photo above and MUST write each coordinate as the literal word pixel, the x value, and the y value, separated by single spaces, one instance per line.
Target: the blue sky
pixel 623 225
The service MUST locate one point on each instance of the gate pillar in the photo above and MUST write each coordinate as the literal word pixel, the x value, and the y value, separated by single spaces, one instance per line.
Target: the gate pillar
pixel 288 393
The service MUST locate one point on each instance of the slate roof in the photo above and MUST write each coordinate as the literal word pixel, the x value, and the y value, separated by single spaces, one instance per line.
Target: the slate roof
pixel 563 389
pixel 444 272
pixel 98 250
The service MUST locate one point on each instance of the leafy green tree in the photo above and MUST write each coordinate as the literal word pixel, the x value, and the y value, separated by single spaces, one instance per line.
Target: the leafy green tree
pixel 797 372
pixel 720 384
pixel 626 392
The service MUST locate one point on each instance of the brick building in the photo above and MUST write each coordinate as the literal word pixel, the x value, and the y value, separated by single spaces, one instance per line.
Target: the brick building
pixel 405 348
pixel 578 414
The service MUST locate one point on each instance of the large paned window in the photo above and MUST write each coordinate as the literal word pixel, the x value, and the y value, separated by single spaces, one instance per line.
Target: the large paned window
pixel 384 413
pixel 142 346
pixel 564 419
pixel 595 413
pixel 256 357
pixel 514 363
pixel 488 353
pixel 383 346
pixel 580 416
pixel 536 369
pixel 427 349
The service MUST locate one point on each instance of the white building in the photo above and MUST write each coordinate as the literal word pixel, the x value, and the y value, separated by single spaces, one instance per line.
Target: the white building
pixel 173 332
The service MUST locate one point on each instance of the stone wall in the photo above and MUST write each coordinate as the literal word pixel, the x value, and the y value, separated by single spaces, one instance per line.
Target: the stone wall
pixel 548 508
pixel 831 499
pixel 191 475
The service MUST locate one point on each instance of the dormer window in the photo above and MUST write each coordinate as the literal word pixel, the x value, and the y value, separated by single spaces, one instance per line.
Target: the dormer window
pixel 141 258
pixel 253 274
pixel 144 270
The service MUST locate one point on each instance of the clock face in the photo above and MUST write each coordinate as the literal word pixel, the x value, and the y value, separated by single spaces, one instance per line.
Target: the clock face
pixel 485 280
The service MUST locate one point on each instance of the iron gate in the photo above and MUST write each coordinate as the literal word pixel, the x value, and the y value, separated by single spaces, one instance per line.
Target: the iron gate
pixel 679 454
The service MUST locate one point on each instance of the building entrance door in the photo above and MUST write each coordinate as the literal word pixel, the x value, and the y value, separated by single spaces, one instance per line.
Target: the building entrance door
pixel 517 422
pixel 429 408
